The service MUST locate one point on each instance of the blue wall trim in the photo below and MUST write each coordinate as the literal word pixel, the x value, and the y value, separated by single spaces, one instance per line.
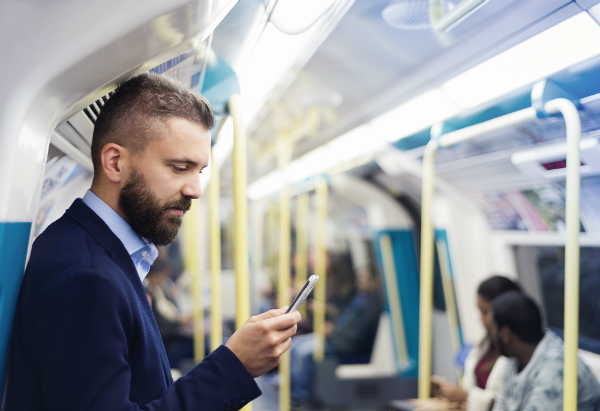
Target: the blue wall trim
pixel 441 235
pixel 220 83
pixel 14 240
pixel 407 275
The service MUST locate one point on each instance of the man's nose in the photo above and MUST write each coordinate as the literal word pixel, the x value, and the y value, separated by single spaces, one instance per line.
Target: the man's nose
pixel 193 188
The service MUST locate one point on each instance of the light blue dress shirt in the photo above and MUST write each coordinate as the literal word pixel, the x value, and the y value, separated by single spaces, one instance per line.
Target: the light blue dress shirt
pixel 141 251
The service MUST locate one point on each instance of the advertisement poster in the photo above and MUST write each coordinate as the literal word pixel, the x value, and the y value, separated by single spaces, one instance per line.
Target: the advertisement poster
pixel 549 201
pixel 501 214
pixel 589 208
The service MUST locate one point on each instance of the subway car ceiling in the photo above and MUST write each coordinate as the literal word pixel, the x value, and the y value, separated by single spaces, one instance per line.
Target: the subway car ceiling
pixel 350 89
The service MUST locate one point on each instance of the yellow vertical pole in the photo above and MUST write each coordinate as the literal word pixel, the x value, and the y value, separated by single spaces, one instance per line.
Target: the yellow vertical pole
pixel 426 292
pixel 573 124
pixel 192 265
pixel 320 270
pixel 216 328
pixel 448 287
pixel 302 206
pixel 283 288
pixel 240 252
pixel 283 284
pixel 271 235
pixel 451 308
pixel 394 302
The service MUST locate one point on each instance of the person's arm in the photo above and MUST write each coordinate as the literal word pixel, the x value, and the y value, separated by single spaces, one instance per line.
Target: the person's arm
pixel 83 337
pixel 450 391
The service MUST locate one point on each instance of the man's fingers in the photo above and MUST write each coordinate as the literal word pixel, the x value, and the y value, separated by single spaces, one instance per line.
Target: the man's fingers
pixel 274 313
pixel 288 333
pixel 283 321
pixel 284 346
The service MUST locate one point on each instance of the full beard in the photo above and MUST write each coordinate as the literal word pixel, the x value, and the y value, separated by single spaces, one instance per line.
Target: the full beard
pixel 146 215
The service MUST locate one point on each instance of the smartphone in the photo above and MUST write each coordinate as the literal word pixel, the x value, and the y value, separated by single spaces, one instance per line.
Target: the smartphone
pixel 299 299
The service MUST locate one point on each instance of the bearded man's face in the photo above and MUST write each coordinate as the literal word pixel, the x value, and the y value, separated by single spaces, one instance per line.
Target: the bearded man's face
pixel 145 213
pixel 163 179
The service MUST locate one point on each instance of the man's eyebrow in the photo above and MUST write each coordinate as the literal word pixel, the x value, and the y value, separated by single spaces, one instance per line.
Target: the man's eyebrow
pixel 181 160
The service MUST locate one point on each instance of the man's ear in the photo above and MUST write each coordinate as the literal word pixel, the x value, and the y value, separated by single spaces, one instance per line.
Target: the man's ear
pixel 115 159
pixel 505 334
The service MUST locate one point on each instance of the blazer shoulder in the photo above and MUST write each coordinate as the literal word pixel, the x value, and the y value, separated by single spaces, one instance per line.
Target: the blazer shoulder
pixel 65 247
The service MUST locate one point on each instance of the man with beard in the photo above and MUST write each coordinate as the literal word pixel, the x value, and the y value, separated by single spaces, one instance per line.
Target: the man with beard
pixel 533 377
pixel 84 336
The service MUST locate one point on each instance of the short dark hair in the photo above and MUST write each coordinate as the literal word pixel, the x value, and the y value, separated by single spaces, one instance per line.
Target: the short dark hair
pixel 141 104
pixel 519 313
pixel 496 285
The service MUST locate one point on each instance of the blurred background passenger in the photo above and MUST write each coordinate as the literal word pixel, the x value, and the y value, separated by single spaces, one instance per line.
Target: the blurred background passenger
pixel 350 337
pixel 533 377
pixel 175 327
pixel 484 365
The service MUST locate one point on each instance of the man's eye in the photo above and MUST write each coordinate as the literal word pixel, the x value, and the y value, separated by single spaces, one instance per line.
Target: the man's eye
pixel 178 169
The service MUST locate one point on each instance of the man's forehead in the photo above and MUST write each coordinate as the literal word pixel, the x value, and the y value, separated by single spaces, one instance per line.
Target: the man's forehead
pixel 183 139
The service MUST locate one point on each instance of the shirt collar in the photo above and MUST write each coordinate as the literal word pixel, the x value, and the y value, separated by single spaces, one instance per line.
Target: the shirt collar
pixel 138 248
pixel 539 349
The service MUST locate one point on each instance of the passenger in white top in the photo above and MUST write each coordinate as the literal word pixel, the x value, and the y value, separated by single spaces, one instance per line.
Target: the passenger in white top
pixel 484 365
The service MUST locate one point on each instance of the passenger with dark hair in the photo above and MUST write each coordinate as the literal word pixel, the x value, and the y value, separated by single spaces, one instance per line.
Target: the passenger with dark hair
pixel 484 365
pixel 533 378
pixel 352 335
pixel 84 336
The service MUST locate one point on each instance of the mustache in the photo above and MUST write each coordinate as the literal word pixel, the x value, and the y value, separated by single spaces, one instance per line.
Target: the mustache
pixel 184 204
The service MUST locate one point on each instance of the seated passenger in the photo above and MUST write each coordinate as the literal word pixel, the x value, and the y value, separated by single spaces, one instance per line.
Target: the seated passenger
pixel 484 365
pixel 174 326
pixel 533 378
pixel 352 334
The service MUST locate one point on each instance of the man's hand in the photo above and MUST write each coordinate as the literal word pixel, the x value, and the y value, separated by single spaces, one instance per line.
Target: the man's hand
pixel 261 341
pixel 451 392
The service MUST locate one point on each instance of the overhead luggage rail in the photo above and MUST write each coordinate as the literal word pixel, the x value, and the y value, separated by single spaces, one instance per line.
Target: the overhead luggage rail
pixel 573 124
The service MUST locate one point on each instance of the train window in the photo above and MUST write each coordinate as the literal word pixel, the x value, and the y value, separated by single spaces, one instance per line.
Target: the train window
pixel 542 273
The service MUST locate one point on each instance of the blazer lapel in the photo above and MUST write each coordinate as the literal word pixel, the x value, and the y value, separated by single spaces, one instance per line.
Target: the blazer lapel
pixel 111 244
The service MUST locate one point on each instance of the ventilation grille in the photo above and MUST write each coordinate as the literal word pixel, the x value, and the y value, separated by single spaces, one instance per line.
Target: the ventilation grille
pixel 74 136
pixel 93 110
pixel 486 173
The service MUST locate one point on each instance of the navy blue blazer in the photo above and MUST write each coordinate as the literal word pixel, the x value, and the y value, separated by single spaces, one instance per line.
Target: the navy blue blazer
pixel 84 336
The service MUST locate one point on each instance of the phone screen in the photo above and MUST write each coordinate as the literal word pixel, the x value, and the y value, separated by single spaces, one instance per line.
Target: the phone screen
pixel 303 294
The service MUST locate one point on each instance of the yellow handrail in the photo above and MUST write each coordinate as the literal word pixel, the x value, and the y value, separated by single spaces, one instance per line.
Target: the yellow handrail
pixel 321 271
pixel 240 251
pixel 396 315
pixel 427 237
pixel 285 249
pixel 426 291
pixel 192 266
pixel 214 221
pixel 573 124
pixel 451 308
pixel 302 208
pixel 283 288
